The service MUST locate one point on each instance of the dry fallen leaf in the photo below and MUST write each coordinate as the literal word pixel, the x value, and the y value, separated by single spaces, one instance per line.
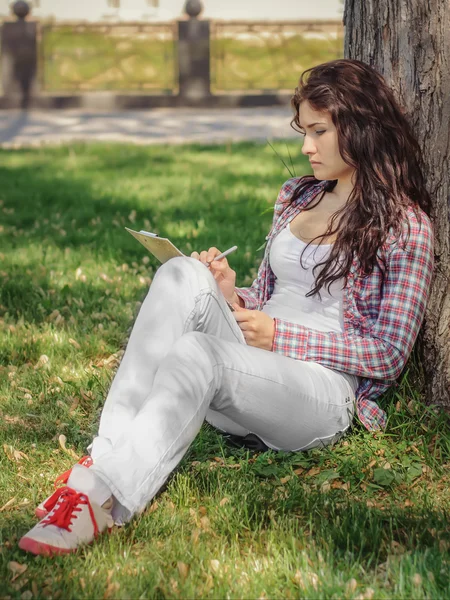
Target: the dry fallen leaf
pixel 53 315
pixel 215 565
pixel 17 569
pixel 205 523
pixel 183 569
pixel 74 343
pixel 12 454
pixel 111 590
pixel 62 442
pixel 397 548
pixel 74 404
pixel 298 579
pixel 224 501
pixel 313 471
pixel 314 580
pixel 195 535
pixel 5 506
pixel 42 362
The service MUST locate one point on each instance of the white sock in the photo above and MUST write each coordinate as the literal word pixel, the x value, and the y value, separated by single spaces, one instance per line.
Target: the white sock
pixel 83 479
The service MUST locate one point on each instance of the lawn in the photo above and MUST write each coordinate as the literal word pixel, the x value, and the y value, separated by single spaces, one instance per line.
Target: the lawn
pixel 365 519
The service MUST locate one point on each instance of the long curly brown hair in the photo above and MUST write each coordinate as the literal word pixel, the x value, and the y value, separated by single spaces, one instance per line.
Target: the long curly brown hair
pixel 375 139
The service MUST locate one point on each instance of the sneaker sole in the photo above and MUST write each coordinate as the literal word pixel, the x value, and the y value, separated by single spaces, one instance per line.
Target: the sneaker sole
pixel 39 548
pixel 30 545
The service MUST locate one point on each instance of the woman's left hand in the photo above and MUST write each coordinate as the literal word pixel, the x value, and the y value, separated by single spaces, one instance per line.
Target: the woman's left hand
pixel 257 327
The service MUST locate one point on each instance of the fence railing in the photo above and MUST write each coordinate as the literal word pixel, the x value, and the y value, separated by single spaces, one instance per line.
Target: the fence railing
pixel 190 62
pixel 269 55
pixel 97 57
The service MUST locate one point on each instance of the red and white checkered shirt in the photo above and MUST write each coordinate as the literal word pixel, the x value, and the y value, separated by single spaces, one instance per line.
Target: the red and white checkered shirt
pixel 381 322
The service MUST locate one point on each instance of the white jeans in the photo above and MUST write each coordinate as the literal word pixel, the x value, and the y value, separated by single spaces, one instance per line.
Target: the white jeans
pixel 187 360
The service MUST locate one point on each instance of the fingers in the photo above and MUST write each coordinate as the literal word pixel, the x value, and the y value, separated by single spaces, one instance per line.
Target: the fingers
pixel 201 257
pixel 207 257
pixel 243 315
pixel 211 254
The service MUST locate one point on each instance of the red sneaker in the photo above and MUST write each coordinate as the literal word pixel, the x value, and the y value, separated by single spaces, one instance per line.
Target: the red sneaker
pixel 73 522
pixel 47 505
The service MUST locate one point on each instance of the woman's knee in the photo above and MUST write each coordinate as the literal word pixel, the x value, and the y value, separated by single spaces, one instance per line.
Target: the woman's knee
pixel 191 341
pixel 179 264
pixel 181 268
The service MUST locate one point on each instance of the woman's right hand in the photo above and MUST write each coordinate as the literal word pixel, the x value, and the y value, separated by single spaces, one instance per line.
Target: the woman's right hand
pixel 221 270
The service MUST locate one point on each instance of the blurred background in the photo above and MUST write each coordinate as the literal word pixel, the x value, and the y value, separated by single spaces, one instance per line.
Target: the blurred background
pixel 162 53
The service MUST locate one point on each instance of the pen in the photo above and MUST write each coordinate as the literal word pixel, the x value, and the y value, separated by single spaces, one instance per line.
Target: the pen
pixel 226 253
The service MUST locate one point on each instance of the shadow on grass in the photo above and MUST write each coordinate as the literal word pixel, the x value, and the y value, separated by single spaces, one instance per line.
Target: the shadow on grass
pixel 50 207
pixel 342 527
pixel 347 533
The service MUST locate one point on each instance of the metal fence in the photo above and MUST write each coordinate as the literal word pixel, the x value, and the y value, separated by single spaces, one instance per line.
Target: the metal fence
pixel 143 65
pixel 132 57
pixel 269 55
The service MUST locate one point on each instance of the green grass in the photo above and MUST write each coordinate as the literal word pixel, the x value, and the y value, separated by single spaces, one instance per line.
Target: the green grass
pixel 365 519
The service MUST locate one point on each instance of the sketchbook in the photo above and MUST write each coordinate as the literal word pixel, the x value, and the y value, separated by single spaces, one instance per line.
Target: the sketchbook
pixel 161 248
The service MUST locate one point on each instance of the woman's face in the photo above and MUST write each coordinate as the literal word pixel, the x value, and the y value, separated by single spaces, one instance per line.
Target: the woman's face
pixel 321 144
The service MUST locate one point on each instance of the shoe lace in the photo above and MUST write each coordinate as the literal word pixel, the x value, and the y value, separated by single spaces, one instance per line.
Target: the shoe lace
pixel 67 501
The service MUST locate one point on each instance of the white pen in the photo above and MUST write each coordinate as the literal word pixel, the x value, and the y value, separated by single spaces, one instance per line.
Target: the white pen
pixel 226 253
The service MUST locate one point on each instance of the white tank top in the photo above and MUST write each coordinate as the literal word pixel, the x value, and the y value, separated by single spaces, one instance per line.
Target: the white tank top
pixel 294 280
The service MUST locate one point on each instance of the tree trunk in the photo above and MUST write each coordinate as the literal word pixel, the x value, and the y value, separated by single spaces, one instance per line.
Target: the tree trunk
pixel 408 42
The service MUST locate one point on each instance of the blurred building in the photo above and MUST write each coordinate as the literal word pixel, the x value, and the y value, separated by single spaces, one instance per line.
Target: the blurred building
pixel 167 10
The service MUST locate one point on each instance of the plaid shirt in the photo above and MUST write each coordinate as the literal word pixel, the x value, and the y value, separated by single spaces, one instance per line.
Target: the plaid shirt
pixel 381 322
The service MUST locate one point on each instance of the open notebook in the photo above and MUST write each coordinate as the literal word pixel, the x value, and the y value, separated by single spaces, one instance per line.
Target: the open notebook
pixel 161 248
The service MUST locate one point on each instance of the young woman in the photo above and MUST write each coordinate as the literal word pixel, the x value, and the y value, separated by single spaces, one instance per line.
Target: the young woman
pixel 325 328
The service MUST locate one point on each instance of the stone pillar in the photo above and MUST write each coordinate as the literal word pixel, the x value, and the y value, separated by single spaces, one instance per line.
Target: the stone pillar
pixel 19 58
pixel 193 56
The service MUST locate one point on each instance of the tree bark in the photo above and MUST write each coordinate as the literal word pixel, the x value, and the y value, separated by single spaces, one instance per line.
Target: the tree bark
pixel 408 42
